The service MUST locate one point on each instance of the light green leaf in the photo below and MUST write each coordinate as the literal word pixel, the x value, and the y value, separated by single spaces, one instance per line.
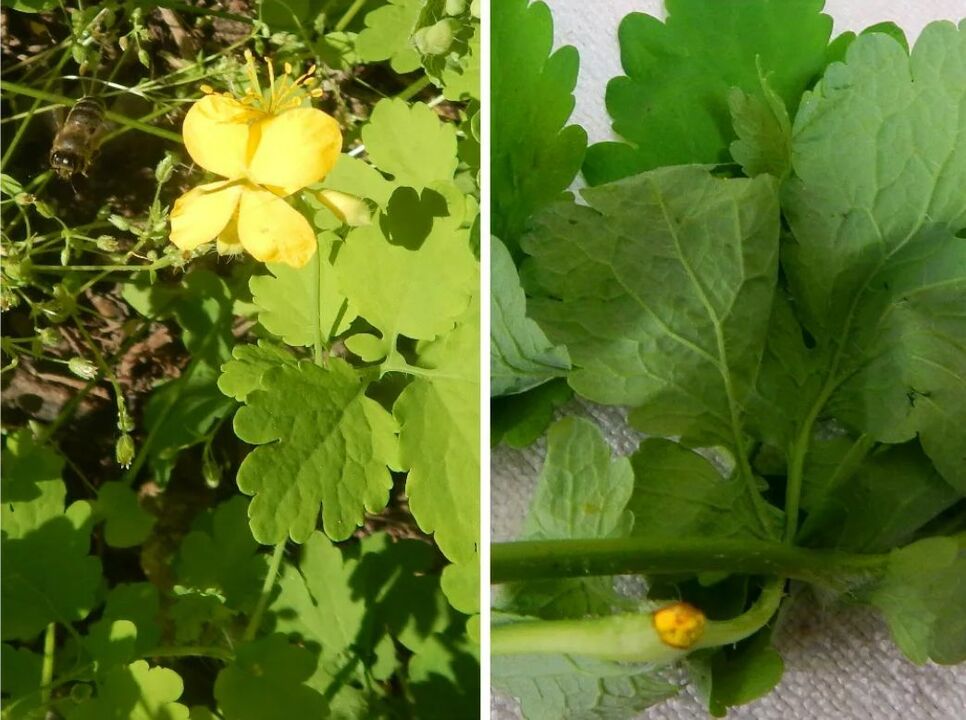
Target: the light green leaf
pixel 679 494
pixel 301 305
pixel 764 131
pixel 32 490
pixel 923 598
pixel 21 676
pixel 243 373
pixel 662 291
pixel 410 143
pixel 897 489
pixel 416 292
pixel 672 105
pixel 744 674
pixel 444 679
pixel 111 642
pixel 135 692
pixel 439 421
pixel 47 573
pixel 323 442
pixel 582 491
pixel 518 420
pixel 368 347
pixel 126 523
pixel 317 601
pixel 387 35
pixel 266 681
pixel 554 687
pixel 220 554
pixel 876 267
pixel 521 356
pixel 357 177
pixel 535 157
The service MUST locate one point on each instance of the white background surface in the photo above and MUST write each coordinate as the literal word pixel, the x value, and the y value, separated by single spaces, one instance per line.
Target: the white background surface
pixel 840 664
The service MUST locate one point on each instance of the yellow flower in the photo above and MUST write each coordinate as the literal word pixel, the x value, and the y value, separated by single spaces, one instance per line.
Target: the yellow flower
pixel 267 147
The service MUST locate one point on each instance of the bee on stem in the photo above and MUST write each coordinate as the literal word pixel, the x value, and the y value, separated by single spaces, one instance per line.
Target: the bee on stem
pixel 78 139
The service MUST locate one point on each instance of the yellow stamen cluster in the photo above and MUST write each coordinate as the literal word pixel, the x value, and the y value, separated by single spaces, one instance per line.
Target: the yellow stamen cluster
pixel 284 92
pixel 679 625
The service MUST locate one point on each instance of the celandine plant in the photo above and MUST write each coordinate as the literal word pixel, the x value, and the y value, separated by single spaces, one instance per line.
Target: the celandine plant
pixel 771 274
pixel 290 526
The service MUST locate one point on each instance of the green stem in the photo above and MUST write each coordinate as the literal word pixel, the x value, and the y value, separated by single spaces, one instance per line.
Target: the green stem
pixel 192 651
pixel 796 462
pixel 157 265
pixel 256 619
pixel 627 637
pixel 414 88
pixel 18 89
pixel 349 14
pixel 47 669
pixel 544 559
pixel 319 344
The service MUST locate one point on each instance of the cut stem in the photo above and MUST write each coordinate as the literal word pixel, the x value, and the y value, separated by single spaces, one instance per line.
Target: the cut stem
pixel 545 559
pixel 629 637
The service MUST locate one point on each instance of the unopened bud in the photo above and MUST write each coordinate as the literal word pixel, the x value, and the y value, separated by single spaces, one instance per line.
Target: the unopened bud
pixel 119 222
pixel 162 173
pixel 124 451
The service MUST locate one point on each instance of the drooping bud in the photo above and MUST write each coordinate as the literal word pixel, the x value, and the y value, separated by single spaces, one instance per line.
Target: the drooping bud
pixel 124 451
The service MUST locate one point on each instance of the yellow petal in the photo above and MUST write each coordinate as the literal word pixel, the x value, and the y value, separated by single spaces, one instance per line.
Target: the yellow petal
pixel 295 149
pixel 351 210
pixel 272 231
pixel 228 242
pixel 201 214
pixel 216 133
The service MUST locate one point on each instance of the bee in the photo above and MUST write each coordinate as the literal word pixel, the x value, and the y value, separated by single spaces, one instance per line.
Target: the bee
pixel 77 141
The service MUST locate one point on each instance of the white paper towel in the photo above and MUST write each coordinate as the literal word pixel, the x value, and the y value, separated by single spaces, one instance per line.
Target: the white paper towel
pixel 840 664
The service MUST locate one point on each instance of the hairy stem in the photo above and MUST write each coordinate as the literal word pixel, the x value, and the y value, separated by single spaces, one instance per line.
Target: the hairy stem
pixel 544 559
pixel 256 619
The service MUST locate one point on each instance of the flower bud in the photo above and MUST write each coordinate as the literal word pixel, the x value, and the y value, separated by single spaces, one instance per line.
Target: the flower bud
pixel 119 222
pixel 436 39
pixel 124 451
pixel 162 173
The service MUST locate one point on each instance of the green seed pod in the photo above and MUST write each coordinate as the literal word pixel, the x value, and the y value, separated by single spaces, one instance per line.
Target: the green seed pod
pixel 124 451
pixel 144 58
pixel 84 369
pixel 107 243
pixel 49 337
